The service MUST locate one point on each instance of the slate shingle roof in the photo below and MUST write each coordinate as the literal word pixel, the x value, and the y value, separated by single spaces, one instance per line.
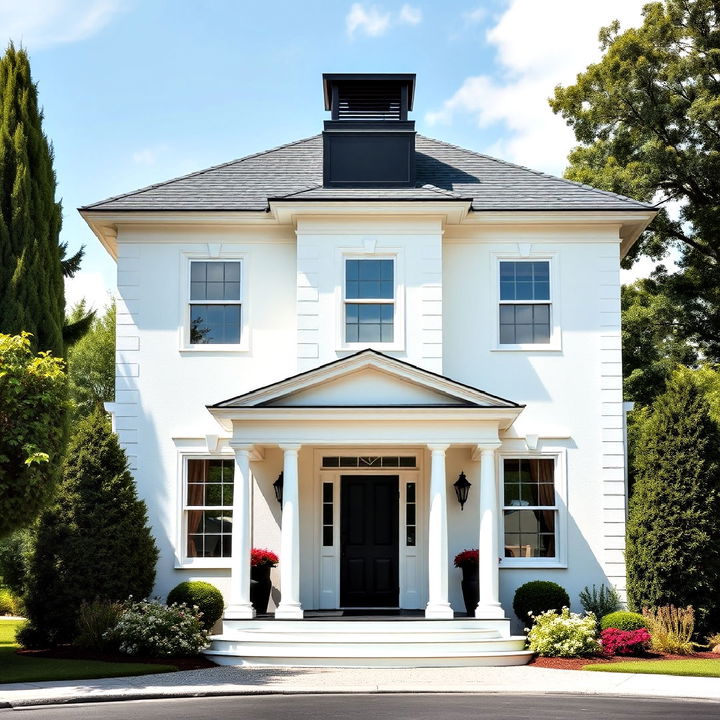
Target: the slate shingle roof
pixel 294 172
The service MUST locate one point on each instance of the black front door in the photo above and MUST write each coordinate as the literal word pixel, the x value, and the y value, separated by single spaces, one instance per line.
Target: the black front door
pixel 369 541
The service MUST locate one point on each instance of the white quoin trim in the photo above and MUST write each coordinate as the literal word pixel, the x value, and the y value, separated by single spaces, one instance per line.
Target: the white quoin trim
pixel 240 607
pixel 438 606
pixel 290 607
pixel 489 605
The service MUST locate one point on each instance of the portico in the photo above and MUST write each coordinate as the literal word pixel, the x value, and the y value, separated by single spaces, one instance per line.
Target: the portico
pixel 379 431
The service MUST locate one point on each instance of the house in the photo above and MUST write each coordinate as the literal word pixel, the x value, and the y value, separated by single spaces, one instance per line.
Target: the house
pixel 365 315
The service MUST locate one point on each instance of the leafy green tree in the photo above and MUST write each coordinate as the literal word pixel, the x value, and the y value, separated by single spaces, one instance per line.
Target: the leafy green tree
pixel 94 542
pixel 91 362
pixel 646 118
pixel 33 404
pixel 32 258
pixel 653 345
pixel 673 538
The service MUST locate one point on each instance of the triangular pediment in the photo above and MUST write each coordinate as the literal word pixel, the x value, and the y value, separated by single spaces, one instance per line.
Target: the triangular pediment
pixel 367 379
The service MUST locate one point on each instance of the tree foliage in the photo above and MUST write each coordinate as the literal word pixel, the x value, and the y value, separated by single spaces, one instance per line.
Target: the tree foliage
pixel 94 542
pixel 33 403
pixel 673 538
pixel 647 117
pixel 33 262
pixel 91 362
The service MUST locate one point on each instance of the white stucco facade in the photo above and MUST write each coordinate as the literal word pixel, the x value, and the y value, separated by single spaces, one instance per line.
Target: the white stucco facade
pixel 446 298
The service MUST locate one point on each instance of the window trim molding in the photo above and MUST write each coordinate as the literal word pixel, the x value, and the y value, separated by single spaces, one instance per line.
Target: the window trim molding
pixel 559 455
pixel 394 254
pixel 182 560
pixel 185 346
pixel 555 344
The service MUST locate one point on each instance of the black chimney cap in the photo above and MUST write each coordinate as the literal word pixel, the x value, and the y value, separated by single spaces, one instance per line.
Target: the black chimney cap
pixel 330 79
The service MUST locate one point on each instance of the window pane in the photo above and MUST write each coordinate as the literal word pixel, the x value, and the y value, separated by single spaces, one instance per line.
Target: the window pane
pixel 213 495
pixel 521 280
pixel 327 513
pixel 411 492
pixel 408 461
pixel 215 280
pixel 215 290
pixel 507 335
pixel 410 514
pixel 352 290
pixel 369 333
pixel 215 272
pixel 524 314
pixel 227 495
pixel 387 333
pixel 328 490
pixel 369 279
pixel 198 291
pixel 327 536
pixel 232 272
pixel 524 324
pixel 213 324
pixel 541 314
pixel 198 271
pixel 523 334
pixel 411 537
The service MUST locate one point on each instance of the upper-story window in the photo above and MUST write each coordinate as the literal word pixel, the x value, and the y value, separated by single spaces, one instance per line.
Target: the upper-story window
pixel 525 303
pixel 369 301
pixel 215 302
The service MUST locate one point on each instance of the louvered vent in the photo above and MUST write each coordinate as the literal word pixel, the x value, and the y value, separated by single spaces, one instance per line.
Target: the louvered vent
pixel 369 142
pixel 365 101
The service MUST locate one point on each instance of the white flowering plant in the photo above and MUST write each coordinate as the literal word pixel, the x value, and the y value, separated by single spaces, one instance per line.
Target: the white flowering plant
pixel 153 629
pixel 564 634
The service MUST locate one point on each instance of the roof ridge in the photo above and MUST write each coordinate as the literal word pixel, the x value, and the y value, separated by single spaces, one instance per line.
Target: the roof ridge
pixel 199 172
pixel 535 172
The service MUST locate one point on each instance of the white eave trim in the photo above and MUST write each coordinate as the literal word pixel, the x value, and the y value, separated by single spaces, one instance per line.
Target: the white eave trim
pixel 449 211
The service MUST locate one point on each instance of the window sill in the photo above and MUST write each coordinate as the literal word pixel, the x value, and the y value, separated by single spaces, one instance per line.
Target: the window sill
pixel 552 347
pixel 532 563
pixel 218 348
pixel 205 563
pixel 381 347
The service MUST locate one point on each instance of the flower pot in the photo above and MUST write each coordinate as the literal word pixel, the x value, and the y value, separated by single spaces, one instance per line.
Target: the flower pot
pixel 470 589
pixel 260 586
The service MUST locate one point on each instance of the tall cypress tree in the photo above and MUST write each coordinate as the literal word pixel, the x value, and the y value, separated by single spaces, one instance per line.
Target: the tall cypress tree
pixel 673 537
pixel 32 263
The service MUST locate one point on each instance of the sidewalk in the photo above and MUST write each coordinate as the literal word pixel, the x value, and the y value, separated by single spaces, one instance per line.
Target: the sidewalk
pixel 247 681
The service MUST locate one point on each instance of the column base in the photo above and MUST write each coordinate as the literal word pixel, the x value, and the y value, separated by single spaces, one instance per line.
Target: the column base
pixel 489 611
pixel 239 612
pixel 289 612
pixel 439 611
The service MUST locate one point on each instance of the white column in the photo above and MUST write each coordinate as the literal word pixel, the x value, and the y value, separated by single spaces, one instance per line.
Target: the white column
pixel 239 606
pixel 438 605
pixel 489 605
pixel 290 607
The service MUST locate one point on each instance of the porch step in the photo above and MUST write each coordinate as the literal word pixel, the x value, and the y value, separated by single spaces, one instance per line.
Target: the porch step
pixel 308 643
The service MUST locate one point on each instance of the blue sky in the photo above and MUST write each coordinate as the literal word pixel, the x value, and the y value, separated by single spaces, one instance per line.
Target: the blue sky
pixel 139 91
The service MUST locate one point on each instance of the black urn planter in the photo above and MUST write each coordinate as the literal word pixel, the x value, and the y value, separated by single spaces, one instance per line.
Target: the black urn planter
pixel 260 586
pixel 470 589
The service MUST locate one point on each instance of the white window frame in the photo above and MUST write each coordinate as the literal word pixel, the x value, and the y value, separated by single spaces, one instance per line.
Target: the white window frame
pixel 185 345
pixel 559 456
pixel 182 559
pixel 398 342
pixel 555 343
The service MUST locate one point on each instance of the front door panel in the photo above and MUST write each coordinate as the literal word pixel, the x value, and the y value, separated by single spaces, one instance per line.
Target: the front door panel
pixel 369 541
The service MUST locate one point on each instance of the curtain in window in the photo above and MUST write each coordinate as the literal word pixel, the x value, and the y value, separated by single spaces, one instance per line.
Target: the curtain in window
pixel 196 487
pixel 543 472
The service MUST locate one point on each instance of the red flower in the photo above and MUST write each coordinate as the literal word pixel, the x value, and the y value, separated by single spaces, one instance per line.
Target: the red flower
pixel 467 559
pixel 624 642
pixel 260 556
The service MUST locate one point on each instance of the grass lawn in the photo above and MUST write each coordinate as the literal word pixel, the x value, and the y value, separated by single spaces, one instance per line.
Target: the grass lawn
pixel 695 667
pixel 19 668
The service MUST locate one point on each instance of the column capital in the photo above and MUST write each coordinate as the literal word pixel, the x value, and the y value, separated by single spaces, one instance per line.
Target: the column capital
pixel 485 448
pixel 438 447
pixel 290 447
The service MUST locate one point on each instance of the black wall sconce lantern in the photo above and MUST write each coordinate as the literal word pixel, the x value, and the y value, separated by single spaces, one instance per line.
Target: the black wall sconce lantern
pixel 278 488
pixel 462 487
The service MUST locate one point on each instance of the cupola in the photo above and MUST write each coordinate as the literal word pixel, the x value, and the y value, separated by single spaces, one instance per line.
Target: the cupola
pixel 369 141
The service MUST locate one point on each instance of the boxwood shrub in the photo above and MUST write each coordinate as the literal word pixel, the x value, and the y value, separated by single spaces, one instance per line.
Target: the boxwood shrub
pixel 539 596
pixel 623 620
pixel 207 597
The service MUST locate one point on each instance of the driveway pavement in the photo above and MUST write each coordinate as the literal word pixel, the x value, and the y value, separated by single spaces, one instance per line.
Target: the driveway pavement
pixel 252 681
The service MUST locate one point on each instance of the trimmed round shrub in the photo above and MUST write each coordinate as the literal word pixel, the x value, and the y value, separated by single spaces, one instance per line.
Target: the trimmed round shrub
pixel 623 620
pixel 152 629
pixel 31 638
pixel 539 596
pixel 206 596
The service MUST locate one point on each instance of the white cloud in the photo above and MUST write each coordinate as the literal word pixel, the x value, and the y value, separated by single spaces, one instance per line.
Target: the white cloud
pixel 43 23
pixel 475 16
pixel 410 15
pixel 369 20
pixel 373 20
pixel 148 156
pixel 538 46
pixel 88 285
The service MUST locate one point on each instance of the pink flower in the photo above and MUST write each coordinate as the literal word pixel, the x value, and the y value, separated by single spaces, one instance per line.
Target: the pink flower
pixel 624 642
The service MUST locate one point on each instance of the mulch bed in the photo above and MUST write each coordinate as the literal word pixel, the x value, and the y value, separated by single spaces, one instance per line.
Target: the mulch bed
pixel 68 652
pixel 578 663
